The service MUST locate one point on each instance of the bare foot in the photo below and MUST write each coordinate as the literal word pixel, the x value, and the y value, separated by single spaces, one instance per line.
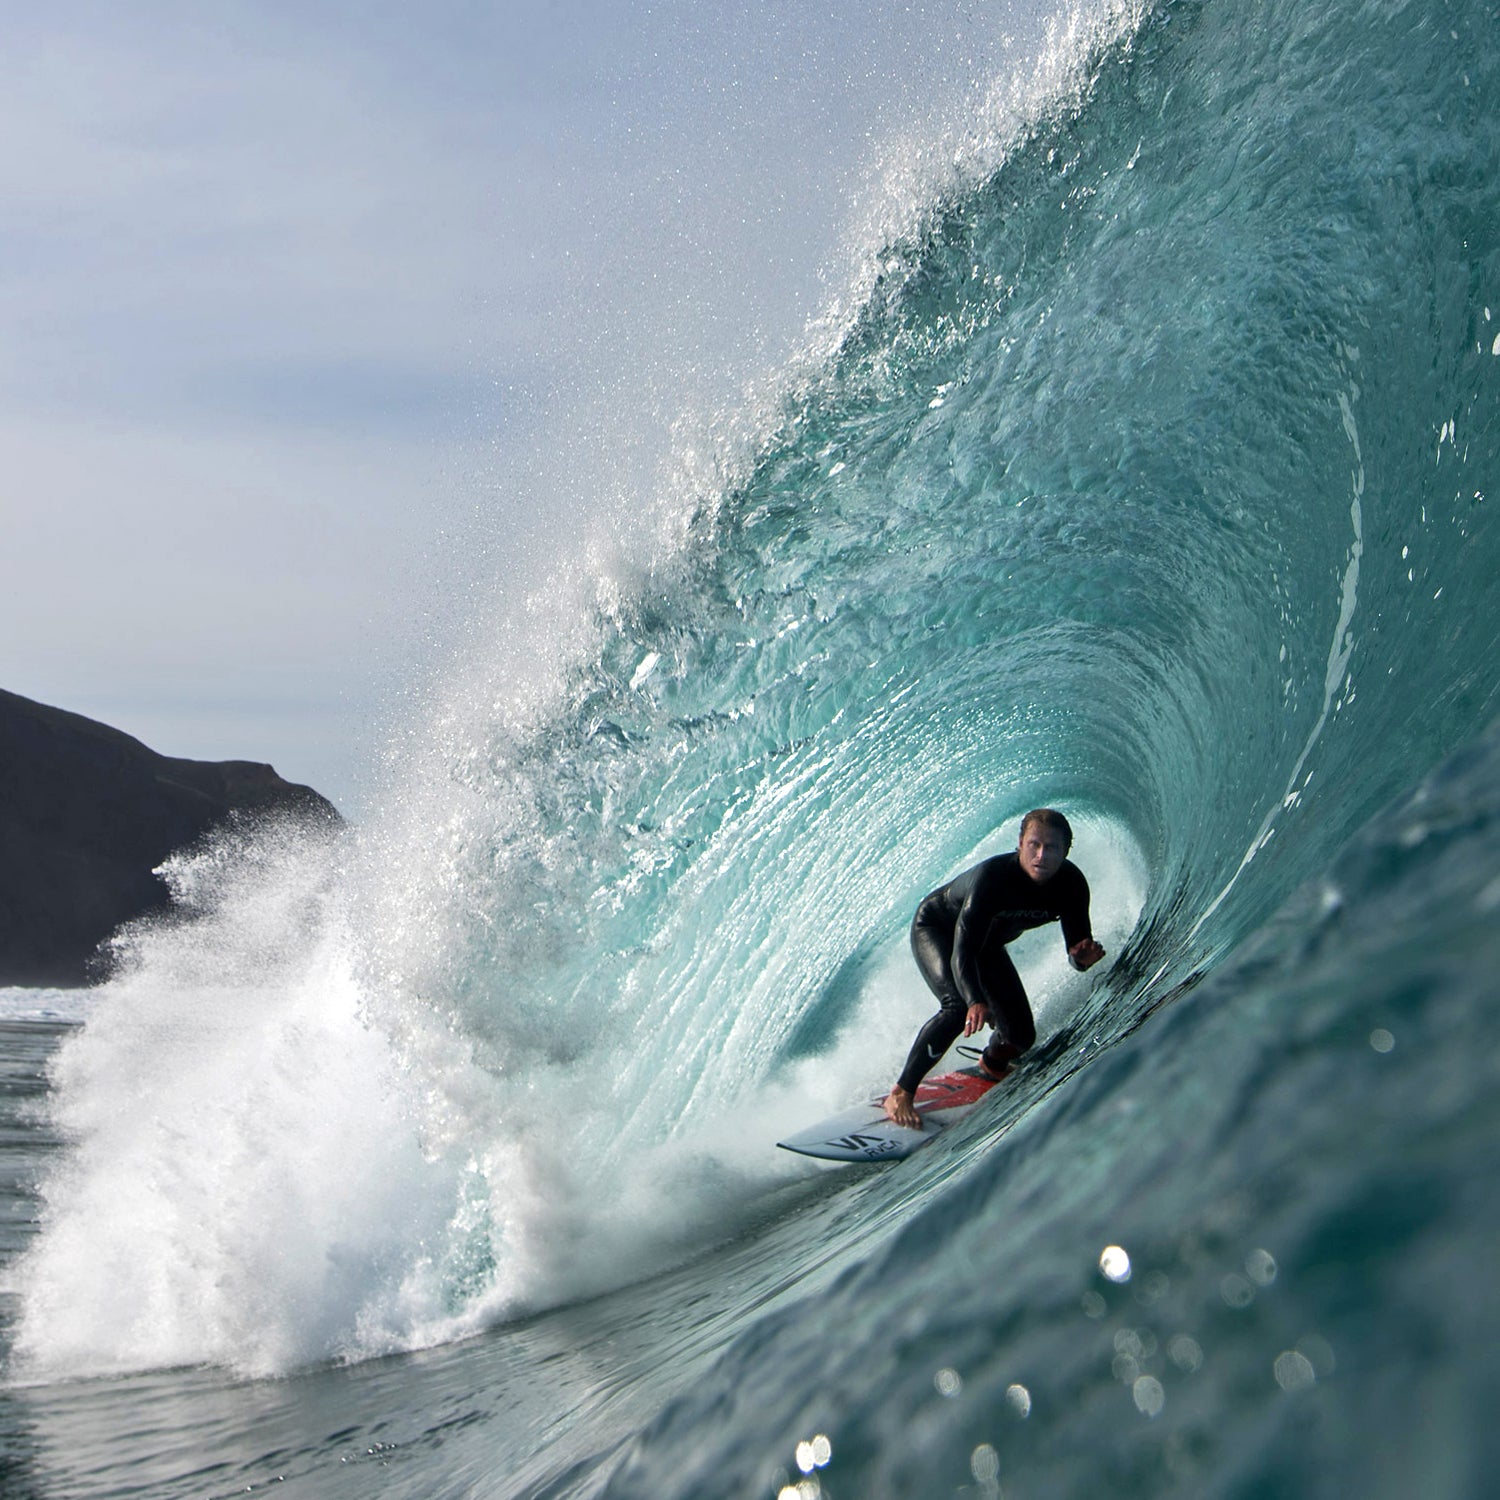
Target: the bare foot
pixel 900 1110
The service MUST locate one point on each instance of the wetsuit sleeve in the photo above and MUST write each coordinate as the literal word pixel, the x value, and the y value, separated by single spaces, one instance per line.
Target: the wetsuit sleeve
pixel 974 919
pixel 1075 914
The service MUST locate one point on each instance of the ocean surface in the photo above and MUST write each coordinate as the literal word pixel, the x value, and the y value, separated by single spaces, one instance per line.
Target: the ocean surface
pixel 1147 468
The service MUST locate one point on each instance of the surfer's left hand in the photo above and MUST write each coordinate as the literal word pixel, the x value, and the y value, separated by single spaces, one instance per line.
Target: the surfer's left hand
pixel 898 1107
pixel 1085 953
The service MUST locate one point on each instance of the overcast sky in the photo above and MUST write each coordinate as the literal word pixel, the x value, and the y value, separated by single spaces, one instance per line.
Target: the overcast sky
pixel 305 308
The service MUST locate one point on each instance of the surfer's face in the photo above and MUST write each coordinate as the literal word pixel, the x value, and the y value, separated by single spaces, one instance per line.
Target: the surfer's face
pixel 1042 852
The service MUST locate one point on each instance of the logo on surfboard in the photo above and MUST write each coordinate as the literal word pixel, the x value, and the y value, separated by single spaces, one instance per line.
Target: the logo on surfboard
pixel 871 1145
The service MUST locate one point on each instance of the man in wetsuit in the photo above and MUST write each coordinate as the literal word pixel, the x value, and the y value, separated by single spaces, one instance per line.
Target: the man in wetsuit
pixel 959 935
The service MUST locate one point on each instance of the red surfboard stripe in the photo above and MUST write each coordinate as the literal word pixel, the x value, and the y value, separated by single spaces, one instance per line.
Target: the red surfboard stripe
pixel 950 1090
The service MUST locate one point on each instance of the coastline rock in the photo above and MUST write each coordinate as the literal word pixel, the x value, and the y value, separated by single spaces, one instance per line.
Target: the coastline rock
pixel 86 814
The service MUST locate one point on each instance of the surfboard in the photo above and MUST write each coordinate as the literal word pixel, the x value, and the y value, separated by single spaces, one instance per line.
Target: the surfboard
pixel 864 1134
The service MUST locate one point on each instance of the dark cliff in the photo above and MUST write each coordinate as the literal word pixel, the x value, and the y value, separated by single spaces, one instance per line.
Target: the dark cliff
pixel 86 815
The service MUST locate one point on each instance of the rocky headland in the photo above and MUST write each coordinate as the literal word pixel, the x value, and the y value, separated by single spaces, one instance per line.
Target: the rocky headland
pixel 87 813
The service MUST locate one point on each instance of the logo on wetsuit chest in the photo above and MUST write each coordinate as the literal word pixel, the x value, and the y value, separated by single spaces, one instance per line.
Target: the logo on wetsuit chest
pixel 1032 915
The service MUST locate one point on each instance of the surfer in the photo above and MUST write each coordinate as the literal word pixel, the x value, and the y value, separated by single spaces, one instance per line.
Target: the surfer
pixel 958 937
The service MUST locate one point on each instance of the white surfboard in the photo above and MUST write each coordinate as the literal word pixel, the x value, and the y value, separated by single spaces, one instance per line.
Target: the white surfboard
pixel 864 1134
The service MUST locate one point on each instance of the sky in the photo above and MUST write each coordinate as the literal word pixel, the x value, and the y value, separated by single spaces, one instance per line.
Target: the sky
pixel 324 324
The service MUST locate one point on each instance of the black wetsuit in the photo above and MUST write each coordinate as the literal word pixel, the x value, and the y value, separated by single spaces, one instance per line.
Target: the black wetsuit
pixel 958 937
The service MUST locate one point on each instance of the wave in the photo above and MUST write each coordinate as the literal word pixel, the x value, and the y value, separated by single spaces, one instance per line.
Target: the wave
pixel 1144 475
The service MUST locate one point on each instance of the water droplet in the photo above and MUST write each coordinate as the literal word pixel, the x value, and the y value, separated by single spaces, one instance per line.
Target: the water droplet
pixel 1294 1371
pixel 1185 1352
pixel 1260 1267
pixel 1139 1343
pixel 1149 1395
pixel 1236 1291
pixel 1153 1288
pixel 1381 1040
pixel 1019 1399
pixel 815 1454
pixel 948 1382
pixel 984 1464
pixel 1115 1263
pixel 804 1489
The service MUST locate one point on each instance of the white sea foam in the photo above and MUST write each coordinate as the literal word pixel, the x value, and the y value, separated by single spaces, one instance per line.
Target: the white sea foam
pixel 246 1173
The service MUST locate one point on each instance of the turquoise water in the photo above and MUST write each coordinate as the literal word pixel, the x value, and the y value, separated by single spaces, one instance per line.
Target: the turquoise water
pixel 1148 476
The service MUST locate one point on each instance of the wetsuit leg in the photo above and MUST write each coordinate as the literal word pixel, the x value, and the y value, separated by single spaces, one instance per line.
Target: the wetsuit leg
pixel 1010 1011
pixel 932 947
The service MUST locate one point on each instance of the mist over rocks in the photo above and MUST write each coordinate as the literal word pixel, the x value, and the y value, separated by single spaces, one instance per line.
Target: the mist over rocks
pixel 87 813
